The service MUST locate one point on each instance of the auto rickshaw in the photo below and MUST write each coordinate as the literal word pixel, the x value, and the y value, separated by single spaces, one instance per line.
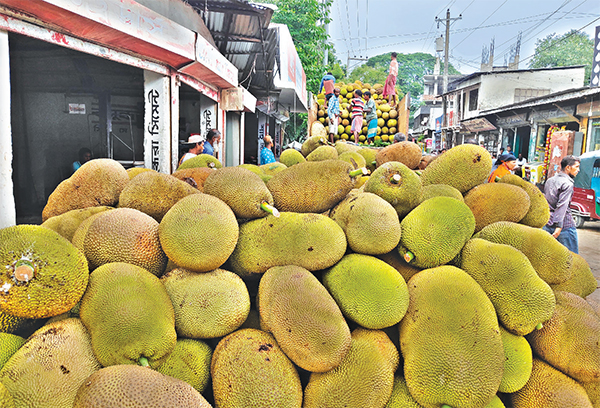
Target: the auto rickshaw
pixel 585 204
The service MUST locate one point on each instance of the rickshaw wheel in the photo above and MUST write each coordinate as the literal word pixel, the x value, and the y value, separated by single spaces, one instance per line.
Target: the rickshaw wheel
pixel 578 220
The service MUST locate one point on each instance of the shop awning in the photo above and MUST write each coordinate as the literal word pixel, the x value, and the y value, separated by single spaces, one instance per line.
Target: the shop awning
pixel 291 78
pixel 478 125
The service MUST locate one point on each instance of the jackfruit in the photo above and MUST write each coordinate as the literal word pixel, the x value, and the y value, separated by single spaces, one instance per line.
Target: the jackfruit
pixel 303 317
pixel 371 224
pixel 312 241
pixel 396 184
pixel 435 232
pixel 368 291
pixel 370 157
pixel 6 400
pixel 342 147
pixel 394 259
pixel 593 392
pixel 569 340
pixel 496 402
pixel 549 388
pixel 41 273
pixel 462 167
pixel 289 157
pixel 312 187
pixel 271 169
pixel 199 233
pixel 257 170
pixel 407 153
pixel 201 160
pixel 81 231
pixel 488 203
pixel 518 360
pixel 9 344
pixel 312 143
pixel 97 182
pixel 317 129
pixel 154 193
pixel 441 190
pixel 124 235
pixel 401 397
pixel 365 378
pixel 323 153
pixel 47 370
pixel 450 332
pixel 189 362
pixel 66 224
pixel 134 171
pixel 236 361
pixel 550 259
pixel 521 298
pixel 207 305
pixel 19 325
pixel 197 174
pixel 582 281
pixel 127 386
pixel 425 160
pixel 129 315
pixel 539 211
pixel 242 190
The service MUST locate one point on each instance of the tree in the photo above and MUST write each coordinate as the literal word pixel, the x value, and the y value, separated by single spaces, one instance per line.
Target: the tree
pixel 572 48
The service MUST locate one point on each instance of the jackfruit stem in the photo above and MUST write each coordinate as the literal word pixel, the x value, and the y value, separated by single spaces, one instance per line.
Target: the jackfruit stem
pixel 374 162
pixel 539 326
pixel 446 406
pixel 418 172
pixel 497 179
pixel 269 208
pixel 395 179
pixel 24 271
pixel 359 172
pixel 144 362
pixel 409 256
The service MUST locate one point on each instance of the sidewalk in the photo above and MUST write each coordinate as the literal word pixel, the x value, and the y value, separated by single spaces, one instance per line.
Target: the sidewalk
pixel 589 248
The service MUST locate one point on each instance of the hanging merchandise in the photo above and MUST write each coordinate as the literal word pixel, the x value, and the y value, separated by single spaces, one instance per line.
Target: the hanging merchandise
pixel 552 129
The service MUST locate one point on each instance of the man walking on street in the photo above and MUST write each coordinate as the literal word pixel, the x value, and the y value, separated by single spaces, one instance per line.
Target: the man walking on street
pixel 559 191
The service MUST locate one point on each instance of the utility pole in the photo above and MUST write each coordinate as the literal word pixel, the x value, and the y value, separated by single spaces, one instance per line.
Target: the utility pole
pixel 355 58
pixel 447 48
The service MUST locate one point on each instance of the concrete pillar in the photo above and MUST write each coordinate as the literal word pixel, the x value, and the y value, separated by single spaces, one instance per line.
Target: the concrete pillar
pixel 174 142
pixel 157 122
pixel 8 213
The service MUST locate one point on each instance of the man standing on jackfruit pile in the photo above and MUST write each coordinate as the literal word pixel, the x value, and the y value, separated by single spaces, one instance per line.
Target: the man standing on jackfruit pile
pixel 357 107
pixel 558 191
pixel 389 89
pixel 370 117
pixel 194 146
pixel 333 113
pixel 266 154
pixel 327 84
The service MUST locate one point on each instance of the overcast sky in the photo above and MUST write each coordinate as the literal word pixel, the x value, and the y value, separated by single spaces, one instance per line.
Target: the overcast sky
pixel 365 28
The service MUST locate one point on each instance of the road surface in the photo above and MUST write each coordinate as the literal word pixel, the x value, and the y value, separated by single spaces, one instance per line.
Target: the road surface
pixel 589 248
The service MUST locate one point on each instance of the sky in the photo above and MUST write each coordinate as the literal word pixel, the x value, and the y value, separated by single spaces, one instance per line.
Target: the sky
pixel 366 28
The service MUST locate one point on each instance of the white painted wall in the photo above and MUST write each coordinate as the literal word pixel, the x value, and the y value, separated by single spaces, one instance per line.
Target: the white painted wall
pixel 8 215
pixel 157 119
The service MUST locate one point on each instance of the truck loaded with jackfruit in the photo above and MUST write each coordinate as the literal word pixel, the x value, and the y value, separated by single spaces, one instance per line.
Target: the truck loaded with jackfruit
pixel 338 277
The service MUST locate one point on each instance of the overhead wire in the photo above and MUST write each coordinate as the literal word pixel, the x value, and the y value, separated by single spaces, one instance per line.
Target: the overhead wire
pixel 433 23
pixel 488 17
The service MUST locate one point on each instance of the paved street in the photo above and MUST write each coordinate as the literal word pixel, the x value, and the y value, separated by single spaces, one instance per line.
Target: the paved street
pixel 589 248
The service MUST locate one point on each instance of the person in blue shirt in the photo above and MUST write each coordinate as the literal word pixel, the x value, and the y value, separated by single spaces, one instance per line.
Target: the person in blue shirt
pixel 328 83
pixel 212 142
pixel 266 154
pixel 85 155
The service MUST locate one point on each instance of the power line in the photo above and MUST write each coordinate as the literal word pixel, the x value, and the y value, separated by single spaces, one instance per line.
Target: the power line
pixel 494 12
pixel 433 24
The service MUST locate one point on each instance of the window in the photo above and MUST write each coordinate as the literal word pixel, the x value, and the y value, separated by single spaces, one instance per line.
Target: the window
pixel 522 94
pixel 473 99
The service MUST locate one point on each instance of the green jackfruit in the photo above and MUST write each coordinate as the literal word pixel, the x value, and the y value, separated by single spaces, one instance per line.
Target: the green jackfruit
pixel 312 186
pixel 66 224
pixel 539 211
pixel 365 378
pixel 201 160
pixel 522 300
pixel 401 397
pixel 41 273
pixel 271 169
pixel 19 325
pixel 199 233
pixel 488 203
pixel 189 362
pixel 450 332
pixel 207 305
pixel 129 315
pixel 6 400
pixel 197 174
pixel 354 158
pixel 236 361
pixel 368 291
pixel 257 170
pixel 437 190
pixel 311 144
pixel 9 344
pixel 370 155
pixel 435 232
pixel 396 184
pixel 582 281
pixel 407 153
pixel 81 231
pixel 323 153
pixel 518 362
pixel 134 171
pixel 462 167
pixel 303 317
pixel 342 147
pixel 312 241
pixel 289 157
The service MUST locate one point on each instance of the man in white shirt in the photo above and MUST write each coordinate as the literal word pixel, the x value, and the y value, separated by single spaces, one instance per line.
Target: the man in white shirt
pixel 194 146
pixel 521 161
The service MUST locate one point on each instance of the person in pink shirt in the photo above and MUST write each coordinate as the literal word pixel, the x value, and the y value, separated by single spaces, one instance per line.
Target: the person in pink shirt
pixel 357 106
pixel 389 89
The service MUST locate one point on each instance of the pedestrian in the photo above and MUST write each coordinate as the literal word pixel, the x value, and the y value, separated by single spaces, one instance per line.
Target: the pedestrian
pixel 327 85
pixel 521 161
pixel 85 155
pixel 506 164
pixel 509 149
pixel 211 146
pixel 194 146
pixel 558 191
pixel 266 153
pixel 501 152
pixel 370 117
pixel 389 88
pixel 333 113
pixel 399 137
pixel 356 107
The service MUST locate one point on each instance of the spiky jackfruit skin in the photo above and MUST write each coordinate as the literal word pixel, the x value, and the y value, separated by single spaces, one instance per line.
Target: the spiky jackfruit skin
pixel 134 171
pixel 57 273
pixel 462 167
pixel 355 159
pixel 311 144
pixel 242 190
pixel 189 362
pixel 6 400
pixel 441 190
pixel 593 392
pixel 96 183
pixel 370 157
pixel 549 388
pixel 48 370
pixel 342 147
pixel 582 281
pixel 19 325
pixel 450 331
pixel 303 317
pixel 271 169
pixel 404 195
pixel 311 186
pixel 407 153
pixel 371 224
pixel 124 235
pixel 368 291
pixel 9 344
pixel 129 315
pixel 394 259
pixel 124 386
pixel 401 397
pixel 257 170
pixel 81 231
pixel 207 305
pixel 550 259
pixel 197 174
pixel 289 157
pixel 488 203
pixel 569 340
pixel 202 160
pixel 436 231
pixel 66 224
pixel 323 153
pixel 518 362
pixel 199 233
pixel 312 241
pixel 365 378
pixel 521 298
pixel 236 361
pixel 154 193
pixel 539 212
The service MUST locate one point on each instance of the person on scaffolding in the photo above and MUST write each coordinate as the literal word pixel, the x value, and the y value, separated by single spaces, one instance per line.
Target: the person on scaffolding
pixel 389 89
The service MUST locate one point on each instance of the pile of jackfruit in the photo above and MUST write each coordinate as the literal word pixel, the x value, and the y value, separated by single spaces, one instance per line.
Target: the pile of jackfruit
pixel 341 276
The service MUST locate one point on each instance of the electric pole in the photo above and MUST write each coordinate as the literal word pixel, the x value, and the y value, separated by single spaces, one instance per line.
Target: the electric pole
pixel 447 48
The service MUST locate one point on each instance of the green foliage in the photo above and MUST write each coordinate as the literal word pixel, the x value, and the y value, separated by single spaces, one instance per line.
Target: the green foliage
pixel 337 71
pixel 296 128
pixel 572 48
